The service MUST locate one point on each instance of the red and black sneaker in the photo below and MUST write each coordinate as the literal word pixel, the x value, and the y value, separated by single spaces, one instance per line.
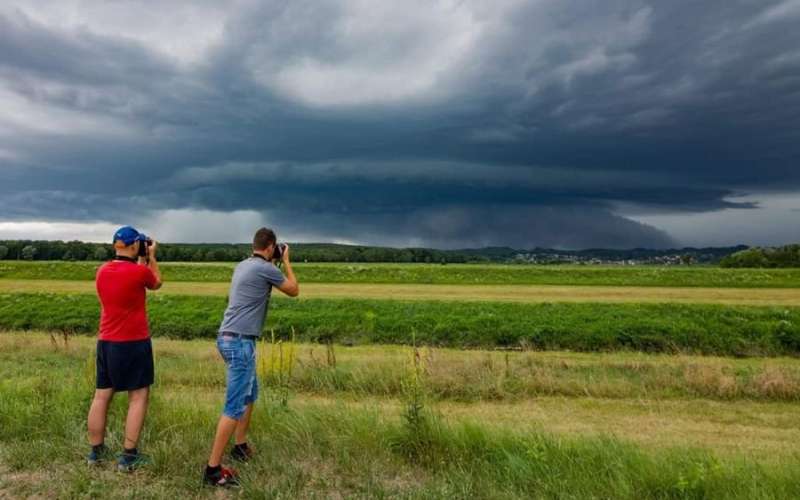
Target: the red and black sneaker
pixel 220 476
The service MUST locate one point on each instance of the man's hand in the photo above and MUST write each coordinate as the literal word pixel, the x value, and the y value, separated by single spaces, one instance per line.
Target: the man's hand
pixel 290 286
pixel 153 264
pixel 151 249
pixel 285 254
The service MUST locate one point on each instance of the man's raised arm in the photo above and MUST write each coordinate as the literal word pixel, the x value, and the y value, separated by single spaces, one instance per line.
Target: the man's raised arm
pixel 152 263
pixel 289 286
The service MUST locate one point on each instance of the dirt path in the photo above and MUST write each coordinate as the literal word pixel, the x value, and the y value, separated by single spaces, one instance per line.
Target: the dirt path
pixel 499 293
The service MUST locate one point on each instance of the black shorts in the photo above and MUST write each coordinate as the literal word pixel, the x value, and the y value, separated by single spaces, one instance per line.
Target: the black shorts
pixel 124 366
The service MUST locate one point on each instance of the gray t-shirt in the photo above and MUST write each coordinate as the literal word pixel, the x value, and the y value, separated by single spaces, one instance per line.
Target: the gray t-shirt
pixel 251 287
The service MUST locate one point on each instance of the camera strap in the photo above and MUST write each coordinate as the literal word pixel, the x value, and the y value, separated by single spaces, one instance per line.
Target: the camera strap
pixel 124 257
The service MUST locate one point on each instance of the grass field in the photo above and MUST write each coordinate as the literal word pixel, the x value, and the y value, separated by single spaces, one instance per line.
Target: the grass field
pixel 609 382
pixel 673 328
pixel 451 274
pixel 467 293
pixel 343 440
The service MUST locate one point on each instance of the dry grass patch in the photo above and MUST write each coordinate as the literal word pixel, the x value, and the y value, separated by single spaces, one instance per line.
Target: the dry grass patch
pixel 711 380
pixel 776 382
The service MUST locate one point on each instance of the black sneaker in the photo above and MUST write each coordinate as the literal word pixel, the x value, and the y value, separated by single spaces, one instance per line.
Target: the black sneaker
pixel 129 462
pixel 98 455
pixel 241 452
pixel 222 477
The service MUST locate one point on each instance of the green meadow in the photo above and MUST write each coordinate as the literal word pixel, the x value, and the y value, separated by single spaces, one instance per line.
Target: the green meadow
pixel 403 434
pixel 374 393
pixel 456 274
pixel 672 328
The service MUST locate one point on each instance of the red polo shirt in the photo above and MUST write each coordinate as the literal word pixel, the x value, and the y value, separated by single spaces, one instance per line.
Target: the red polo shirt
pixel 121 288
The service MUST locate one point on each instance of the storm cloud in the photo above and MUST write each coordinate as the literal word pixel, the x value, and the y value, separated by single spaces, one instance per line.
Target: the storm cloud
pixel 451 124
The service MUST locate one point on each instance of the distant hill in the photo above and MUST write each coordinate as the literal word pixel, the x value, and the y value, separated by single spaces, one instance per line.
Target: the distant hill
pixel 330 252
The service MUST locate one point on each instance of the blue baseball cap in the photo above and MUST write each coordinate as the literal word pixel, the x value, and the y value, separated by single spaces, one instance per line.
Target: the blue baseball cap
pixel 128 235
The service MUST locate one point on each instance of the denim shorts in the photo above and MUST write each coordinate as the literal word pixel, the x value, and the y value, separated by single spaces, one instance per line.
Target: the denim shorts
pixel 239 354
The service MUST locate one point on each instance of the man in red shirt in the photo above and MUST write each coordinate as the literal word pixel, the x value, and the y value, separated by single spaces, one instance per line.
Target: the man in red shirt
pixel 124 352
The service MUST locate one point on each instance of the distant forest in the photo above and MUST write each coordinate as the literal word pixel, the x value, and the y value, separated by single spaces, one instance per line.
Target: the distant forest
pixel 325 252
pixel 220 252
pixel 785 256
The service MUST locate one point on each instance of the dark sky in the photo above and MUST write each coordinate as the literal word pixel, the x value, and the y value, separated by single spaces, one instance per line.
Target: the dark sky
pixel 553 123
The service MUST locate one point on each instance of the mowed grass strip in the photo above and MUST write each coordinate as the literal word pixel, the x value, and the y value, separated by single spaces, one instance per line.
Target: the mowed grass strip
pixel 329 447
pixel 673 328
pixel 477 293
pixel 451 274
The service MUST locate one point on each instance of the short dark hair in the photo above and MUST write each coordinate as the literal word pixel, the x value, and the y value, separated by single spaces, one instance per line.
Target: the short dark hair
pixel 263 238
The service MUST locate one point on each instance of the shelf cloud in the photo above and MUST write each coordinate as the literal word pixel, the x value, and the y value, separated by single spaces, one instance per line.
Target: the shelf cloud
pixel 442 123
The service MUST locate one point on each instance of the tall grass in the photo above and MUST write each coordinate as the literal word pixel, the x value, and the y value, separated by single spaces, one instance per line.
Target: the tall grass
pixel 672 328
pixel 467 274
pixel 275 367
pixel 419 423
pixel 324 450
pixel 468 376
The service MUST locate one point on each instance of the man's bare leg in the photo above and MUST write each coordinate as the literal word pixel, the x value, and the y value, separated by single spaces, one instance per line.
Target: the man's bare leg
pixel 98 413
pixel 137 409
pixel 225 429
pixel 243 425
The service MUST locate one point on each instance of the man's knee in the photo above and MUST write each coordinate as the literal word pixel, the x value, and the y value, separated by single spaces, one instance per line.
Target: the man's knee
pixel 139 395
pixel 103 395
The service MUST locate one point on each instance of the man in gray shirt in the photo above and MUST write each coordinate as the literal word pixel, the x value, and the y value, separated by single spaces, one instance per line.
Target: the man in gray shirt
pixel 242 323
pixel 251 288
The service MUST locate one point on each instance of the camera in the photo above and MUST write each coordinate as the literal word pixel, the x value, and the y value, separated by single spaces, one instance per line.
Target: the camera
pixel 143 244
pixel 277 254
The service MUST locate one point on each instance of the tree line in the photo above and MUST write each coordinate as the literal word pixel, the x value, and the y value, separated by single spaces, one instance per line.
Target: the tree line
pixel 220 252
pixel 785 256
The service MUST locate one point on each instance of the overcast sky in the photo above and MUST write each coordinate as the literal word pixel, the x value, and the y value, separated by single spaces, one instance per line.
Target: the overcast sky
pixel 557 123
